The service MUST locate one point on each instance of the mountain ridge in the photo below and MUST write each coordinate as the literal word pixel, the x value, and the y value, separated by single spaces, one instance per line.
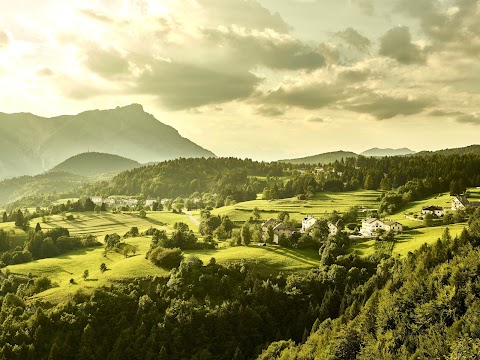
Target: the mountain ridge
pixel 33 144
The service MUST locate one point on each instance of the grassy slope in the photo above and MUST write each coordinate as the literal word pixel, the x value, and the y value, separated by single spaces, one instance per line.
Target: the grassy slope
pixel 318 206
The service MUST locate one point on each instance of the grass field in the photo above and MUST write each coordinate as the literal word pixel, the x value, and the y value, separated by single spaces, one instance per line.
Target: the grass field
pixel 322 204
pixel 270 258
pixel 72 265
pixel 411 240
pixel 108 223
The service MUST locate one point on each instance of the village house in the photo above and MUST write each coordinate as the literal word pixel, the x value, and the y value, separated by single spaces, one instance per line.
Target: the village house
pixel 393 226
pixel 332 229
pixel 110 201
pixel 282 230
pixel 433 210
pixel 460 202
pixel 308 222
pixel 98 200
pixel 266 224
pixel 149 202
pixel 370 226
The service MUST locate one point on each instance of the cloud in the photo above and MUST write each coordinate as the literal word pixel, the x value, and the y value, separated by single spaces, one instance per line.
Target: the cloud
pixel 383 106
pixel 366 6
pixel 450 25
pixel 267 48
pixel 469 119
pixel 397 44
pixel 4 39
pixel 97 16
pixel 271 111
pixel 441 113
pixel 316 120
pixel 106 62
pixel 354 39
pixel 247 13
pixel 182 86
pixel 44 72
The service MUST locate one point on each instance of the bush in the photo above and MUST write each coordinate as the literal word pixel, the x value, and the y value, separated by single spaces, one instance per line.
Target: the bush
pixel 165 258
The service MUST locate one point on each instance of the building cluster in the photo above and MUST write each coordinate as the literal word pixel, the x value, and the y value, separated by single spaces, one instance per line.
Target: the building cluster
pixel 112 201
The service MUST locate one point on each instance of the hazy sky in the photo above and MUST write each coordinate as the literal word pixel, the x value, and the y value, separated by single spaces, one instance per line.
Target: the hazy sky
pixel 265 79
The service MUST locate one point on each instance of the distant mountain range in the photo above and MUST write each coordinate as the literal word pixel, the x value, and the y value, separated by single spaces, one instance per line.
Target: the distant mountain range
pixel 376 152
pixel 472 149
pixel 95 164
pixel 329 157
pixel 321 158
pixel 32 144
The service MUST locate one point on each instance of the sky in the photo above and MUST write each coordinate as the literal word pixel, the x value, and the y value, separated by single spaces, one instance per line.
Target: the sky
pixel 263 79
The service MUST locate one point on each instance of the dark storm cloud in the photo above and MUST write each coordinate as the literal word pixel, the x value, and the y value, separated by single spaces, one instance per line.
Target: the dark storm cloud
pixel 182 86
pixel 354 39
pixel 397 44
pixel 269 49
pixel 386 107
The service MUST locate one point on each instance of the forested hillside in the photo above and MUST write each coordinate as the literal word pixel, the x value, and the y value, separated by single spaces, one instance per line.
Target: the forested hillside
pixel 15 189
pixel 183 177
pixel 95 164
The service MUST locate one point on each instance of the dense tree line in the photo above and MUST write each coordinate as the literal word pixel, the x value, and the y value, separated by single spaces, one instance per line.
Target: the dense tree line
pixel 411 177
pixel 227 177
pixel 40 245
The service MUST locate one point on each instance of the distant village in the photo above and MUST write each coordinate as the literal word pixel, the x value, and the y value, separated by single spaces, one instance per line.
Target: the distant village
pixel 371 226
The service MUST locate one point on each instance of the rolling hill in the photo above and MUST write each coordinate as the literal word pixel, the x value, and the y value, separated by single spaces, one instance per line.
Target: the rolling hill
pixel 17 188
pixel 376 152
pixel 321 158
pixel 94 164
pixel 472 149
pixel 32 144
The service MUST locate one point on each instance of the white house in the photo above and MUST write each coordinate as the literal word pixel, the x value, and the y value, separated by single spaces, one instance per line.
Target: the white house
pixel 332 229
pixel 370 226
pixel 97 200
pixel 393 226
pixel 149 202
pixel 308 222
pixel 460 202
pixel 434 210
pixel 110 201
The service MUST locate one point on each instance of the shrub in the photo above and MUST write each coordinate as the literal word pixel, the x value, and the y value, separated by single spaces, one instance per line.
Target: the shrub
pixel 165 258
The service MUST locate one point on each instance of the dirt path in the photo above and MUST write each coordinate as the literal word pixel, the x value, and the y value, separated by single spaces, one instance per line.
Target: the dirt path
pixel 192 218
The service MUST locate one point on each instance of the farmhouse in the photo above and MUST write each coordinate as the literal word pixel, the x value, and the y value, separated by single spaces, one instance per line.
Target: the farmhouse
pixel 97 200
pixel 308 222
pixel 393 226
pixel 370 226
pixel 149 202
pixel 460 202
pixel 434 210
pixel 270 222
pixel 332 229
pixel 281 230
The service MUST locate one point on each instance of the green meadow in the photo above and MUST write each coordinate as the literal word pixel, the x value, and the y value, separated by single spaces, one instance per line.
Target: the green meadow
pixel 321 205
